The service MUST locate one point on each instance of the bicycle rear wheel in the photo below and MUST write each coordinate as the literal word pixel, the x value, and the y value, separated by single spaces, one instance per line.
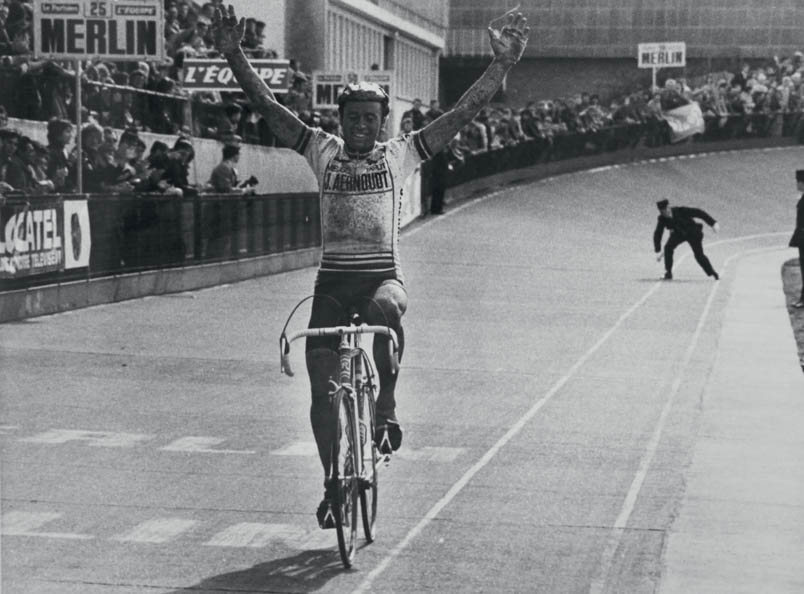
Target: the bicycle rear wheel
pixel 344 475
pixel 368 476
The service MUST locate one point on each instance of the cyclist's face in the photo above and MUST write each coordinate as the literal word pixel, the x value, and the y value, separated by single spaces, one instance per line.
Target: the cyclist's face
pixel 361 124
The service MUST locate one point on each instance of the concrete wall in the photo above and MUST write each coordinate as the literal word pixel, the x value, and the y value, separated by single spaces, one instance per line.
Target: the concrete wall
pixel 613 28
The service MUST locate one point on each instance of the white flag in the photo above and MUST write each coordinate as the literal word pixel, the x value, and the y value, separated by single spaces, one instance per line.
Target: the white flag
pixel 685 121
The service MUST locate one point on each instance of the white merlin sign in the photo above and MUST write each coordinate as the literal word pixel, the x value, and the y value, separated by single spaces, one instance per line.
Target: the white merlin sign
pixel 662 55
pixel 106 29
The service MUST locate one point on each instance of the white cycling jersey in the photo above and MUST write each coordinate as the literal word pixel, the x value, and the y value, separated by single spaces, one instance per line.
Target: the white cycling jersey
pixel 361 199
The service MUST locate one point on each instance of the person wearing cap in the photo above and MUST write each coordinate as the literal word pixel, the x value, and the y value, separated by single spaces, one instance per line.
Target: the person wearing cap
pixel 360 182
pixel 797 240
pixel 680 221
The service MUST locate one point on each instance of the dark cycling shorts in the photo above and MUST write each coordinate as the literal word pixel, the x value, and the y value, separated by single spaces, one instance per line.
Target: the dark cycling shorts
pixel 349 290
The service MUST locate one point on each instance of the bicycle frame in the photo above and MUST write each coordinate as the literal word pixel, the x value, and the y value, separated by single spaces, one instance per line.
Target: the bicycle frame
pixel 348 395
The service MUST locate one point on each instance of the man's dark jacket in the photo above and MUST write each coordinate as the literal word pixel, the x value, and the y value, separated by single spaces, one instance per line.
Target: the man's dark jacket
pixel 682 224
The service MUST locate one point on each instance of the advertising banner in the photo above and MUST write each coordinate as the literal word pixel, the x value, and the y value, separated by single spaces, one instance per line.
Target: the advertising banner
pixel 662 55
pixel 215 75
pixel 31 238
pixel 328 85
pixel 99 29
pixel 77 237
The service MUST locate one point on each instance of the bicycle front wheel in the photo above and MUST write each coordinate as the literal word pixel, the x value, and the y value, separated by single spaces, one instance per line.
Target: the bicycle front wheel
pixel 345 477
pixel 368 476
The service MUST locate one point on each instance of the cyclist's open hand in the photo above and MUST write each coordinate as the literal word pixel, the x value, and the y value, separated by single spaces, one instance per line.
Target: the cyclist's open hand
pixel 227 31
pixel 509 42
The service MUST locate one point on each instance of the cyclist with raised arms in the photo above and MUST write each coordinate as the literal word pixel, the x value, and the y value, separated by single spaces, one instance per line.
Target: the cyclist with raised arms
pixel 360 183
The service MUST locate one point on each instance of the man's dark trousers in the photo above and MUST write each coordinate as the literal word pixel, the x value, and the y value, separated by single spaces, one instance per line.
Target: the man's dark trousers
pixel 696 244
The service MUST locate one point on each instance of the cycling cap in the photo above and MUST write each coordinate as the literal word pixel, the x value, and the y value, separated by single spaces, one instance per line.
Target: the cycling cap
pixel 364 91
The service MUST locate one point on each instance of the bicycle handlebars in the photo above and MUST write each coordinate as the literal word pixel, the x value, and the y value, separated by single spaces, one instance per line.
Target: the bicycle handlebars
pixel 284 342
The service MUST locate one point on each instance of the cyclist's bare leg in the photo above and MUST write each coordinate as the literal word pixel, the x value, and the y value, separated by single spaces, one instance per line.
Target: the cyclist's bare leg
pixel 322 365
pixel 392 299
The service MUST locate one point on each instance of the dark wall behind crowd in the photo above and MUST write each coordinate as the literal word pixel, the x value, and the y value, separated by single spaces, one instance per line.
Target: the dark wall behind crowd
pixel 613 28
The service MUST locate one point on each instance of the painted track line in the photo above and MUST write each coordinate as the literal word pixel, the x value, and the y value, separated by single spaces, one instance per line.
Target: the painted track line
pixel 446 499
pixel 618 529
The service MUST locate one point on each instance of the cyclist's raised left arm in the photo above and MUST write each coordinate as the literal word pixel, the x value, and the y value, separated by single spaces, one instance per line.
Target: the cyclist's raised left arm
pixel 507 44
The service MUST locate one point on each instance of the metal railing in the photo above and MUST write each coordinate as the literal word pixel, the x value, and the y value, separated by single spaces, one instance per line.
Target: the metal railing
pixel 630 140
pixel 132 233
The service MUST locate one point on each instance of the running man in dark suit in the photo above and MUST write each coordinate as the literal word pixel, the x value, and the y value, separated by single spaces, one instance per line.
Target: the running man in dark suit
pixel 680 220
pixel 797 241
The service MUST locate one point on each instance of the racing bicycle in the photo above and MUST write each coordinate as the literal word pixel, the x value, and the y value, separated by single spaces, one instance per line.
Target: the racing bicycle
pixel 354 457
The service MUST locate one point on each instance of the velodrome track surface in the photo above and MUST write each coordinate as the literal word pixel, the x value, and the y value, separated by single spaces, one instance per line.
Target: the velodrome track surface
pixel 551 393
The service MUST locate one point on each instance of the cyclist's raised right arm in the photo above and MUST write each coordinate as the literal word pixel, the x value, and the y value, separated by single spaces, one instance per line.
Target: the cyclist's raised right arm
pixel 283 123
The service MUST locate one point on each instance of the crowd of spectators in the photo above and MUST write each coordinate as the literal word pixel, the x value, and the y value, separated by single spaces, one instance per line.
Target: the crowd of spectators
pixel 145 95
pixel 108 164
pixel 759 100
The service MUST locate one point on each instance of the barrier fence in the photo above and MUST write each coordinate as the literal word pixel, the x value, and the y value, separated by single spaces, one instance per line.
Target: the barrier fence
pixel 629 140
pixel 50 239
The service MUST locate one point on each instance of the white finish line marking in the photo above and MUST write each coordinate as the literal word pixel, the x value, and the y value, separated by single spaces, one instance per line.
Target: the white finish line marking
pixel 26 523
pixel 433 512
pixel 157 531
pixel 298 448
pixel 201 445
pixel 256 535
pixel 104 439
pixel 425 454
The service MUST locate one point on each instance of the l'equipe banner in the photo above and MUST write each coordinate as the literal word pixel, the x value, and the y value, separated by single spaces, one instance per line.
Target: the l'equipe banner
pixel 328 85
pixel 215 75
pixel 130 30
pixel 46 235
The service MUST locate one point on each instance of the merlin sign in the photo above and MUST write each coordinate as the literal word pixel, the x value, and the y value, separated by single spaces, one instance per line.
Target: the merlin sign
pixel 662 55
pixel 105 29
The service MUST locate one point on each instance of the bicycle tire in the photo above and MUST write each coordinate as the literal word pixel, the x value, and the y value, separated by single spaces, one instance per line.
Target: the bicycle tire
pixel 344 461
pixel 368 483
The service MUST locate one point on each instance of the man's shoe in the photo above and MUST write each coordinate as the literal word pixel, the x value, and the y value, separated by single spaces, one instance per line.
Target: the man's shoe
pixel 668 275
pixel 715 276
pixel 325 513
pixel 388 437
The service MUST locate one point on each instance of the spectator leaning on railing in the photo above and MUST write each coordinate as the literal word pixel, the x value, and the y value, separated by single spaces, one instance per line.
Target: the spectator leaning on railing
pixel 224 177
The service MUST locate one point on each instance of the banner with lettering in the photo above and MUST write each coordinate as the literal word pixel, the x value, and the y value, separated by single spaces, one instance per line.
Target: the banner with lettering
pixel 215 75
pixel 31 238
pixel 77 236
pixel 328 85
pixel 99 29
pixel 43 235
